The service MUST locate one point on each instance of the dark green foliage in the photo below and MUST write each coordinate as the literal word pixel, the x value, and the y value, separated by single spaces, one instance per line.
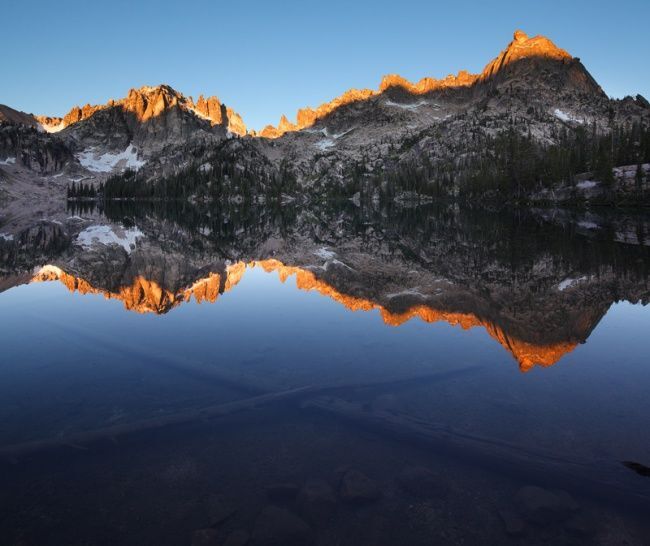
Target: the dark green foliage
pixel 84 191
pixel 220 174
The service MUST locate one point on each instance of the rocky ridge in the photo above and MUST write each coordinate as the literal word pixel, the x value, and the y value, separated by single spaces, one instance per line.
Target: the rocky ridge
pixel 436 129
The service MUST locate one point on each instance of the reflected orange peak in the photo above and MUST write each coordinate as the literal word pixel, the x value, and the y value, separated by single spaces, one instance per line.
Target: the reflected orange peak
pixel 527 354
pixel 146 296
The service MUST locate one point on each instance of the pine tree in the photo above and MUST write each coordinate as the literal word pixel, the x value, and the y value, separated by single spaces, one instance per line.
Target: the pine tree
pixel 638 177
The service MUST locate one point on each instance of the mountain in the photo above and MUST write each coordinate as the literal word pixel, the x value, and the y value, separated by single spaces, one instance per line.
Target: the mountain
pixel 524 127
pixel 535 52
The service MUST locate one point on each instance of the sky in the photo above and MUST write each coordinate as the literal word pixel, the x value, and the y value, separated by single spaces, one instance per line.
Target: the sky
pixel 268 58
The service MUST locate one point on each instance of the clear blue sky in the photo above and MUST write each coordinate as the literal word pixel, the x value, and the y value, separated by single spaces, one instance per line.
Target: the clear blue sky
pixel 266 58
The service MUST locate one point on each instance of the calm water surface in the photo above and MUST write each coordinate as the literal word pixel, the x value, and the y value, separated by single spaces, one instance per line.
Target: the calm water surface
pixel 328 376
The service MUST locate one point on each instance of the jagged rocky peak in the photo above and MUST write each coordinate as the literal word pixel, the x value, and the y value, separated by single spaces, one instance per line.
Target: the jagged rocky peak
pixel 213 109
pixel 148 102
pixel 521 47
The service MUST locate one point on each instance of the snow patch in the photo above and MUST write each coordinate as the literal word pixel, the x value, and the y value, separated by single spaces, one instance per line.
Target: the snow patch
pixel 324 144
pixel 586 184
pixel 334 261
pixel 8 161
pixel 108 161
pixel 199 114
pixel 410 292
pixel 106 236
pixel 412 106
pixel 569 282
pixel 324 253
pixel 53 128
pixel 6 236
pixel 566 117
pixel 588 225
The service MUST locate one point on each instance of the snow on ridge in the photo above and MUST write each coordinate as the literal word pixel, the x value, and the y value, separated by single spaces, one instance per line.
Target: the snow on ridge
pixel 405 293
pixel 108 161
pixel 53 128
pixel 586 184
pixel 566 117
pixel 8 161
pixel 106 236
pixel 199 114
pixel 412 106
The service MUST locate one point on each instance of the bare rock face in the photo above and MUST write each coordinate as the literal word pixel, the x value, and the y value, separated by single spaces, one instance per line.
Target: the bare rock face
pixel 29 148
pixel 10 116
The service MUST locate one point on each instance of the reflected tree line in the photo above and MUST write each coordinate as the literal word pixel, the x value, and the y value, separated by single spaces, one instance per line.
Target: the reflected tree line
pixel 486 244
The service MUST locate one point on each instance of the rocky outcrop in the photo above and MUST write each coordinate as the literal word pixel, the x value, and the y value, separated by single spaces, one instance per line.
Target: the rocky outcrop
pixel 538 48
pixel 25 146
pixel 14 117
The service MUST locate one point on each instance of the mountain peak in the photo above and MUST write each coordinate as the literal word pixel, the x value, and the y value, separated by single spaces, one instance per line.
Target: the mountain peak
pixel 522 46
pixel 149 101
pixel 520 36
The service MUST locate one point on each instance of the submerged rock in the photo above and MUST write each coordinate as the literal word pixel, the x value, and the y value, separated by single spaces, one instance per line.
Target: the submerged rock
pixel 238 537
pixel 316 501
pixel 356 487
pixel 513 522
pixel 282 492
pixel 219 509
pixel 205 537
pixel 277 526
pixel 543 506
pixel 419 481
pixel 580 525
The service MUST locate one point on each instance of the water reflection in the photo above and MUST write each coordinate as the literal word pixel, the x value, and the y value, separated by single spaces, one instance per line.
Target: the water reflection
pixel 341 369
pixel 539 285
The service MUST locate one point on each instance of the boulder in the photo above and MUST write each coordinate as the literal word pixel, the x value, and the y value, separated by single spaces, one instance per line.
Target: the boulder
pixel 356 487
pixel 282 492
pixel 419 481
pixel 238 537
pixel 277 526
pixel 513 522
pixel 205 537
pixel 542 506
pixel 316 501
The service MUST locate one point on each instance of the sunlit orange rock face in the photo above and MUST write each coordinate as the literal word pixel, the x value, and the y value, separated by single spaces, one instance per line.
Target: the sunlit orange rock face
pixel 521 46
pixel 146 103
pixel 527 354
pixel 145 296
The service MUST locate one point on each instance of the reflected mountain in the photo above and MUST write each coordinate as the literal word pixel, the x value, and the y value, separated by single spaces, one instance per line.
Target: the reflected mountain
pixel 536 286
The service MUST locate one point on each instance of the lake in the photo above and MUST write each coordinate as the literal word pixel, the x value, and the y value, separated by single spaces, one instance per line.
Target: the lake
pixel 325 374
